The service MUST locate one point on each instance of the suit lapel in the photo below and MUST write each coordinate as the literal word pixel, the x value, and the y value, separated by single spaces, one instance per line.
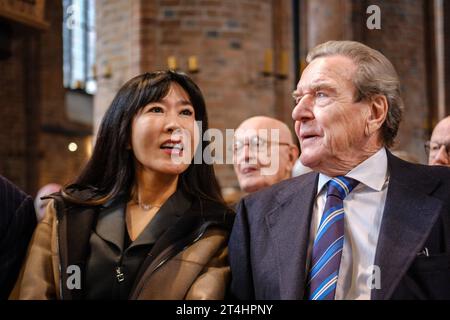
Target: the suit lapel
pixel 288 225
pixel 408 218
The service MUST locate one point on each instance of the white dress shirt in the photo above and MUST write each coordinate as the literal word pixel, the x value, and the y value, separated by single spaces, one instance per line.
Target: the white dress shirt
pixel 363 209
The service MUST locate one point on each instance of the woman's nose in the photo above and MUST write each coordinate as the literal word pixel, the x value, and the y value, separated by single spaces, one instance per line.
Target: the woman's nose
pixel 172 124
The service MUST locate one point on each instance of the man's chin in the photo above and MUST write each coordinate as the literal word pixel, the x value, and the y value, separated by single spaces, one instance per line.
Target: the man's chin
pixel 309 160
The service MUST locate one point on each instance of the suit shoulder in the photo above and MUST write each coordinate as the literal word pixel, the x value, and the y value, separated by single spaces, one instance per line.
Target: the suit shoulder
pixel 280 191
pixel 430 172
pixel 13 199
pixel 11 192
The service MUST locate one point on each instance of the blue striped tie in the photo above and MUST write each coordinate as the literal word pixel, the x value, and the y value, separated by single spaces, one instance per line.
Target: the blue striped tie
pixel 329 241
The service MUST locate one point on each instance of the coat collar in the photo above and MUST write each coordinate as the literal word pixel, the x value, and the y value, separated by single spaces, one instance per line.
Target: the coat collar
pixel 409 215
pixel 288 225
pixel 111 224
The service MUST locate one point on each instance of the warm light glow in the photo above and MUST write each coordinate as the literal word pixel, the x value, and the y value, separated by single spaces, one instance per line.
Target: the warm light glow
pixel 193 64
pixel 284 64
pixel 172 63
pixel 268 62
pixel 72 147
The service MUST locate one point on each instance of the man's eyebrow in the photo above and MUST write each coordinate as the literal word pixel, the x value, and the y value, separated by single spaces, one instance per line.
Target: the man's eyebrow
pixel 441 142
pixel 319 85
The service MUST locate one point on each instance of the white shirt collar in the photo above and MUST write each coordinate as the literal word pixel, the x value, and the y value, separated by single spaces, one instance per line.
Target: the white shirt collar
pixel 372 172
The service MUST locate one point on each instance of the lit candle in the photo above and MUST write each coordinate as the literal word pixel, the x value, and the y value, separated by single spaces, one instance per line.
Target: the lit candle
pixel 172 63
pixel 192 64
pixel 268 62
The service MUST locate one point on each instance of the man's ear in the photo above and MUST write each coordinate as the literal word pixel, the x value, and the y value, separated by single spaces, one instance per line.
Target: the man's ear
pixel 378 112
pixel 293 154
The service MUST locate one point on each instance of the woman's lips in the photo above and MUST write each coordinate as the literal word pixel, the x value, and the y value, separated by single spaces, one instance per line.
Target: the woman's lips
pixel 171 147
pixel 172 151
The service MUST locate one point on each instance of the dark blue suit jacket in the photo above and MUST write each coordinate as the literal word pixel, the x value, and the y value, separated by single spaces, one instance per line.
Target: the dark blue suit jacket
pixel 17 223
pixel 270 237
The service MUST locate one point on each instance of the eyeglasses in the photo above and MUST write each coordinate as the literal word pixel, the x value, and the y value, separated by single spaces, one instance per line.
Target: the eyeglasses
pixel 432 148
pixel 256 144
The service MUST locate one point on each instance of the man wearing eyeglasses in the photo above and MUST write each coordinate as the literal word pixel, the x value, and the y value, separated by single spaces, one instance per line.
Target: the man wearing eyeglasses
pixel 438 148
pixel 264 153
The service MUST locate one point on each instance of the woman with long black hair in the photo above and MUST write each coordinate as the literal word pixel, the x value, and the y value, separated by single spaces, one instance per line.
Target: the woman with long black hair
pixel 142 221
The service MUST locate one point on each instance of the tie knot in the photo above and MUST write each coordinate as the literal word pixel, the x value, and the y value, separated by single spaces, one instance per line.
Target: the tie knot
pixel 341 186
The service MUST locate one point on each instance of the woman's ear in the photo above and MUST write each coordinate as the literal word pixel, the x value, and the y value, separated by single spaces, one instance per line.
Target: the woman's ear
pixel 378 111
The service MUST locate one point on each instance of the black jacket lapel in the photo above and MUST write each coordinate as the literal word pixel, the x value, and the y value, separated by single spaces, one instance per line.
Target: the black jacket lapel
pixel 74 243
pixel 289 226
pixel 408 218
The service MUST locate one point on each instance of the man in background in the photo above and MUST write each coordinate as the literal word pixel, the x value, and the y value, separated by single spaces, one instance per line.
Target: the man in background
pixel 365 224
pixel 17 223
pixel 438 148
pixel 259 160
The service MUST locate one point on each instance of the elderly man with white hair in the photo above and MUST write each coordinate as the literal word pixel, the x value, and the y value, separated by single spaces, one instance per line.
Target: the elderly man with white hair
pixel 365 224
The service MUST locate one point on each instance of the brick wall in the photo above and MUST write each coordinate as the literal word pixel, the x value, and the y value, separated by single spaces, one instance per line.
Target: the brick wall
pixel 34 128
pixel 57 164
pixel 12 113
pixel 402 39
pixel 229 39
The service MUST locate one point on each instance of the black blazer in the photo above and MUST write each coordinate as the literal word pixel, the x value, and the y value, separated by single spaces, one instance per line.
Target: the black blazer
pixel 270 237
pixel 17 223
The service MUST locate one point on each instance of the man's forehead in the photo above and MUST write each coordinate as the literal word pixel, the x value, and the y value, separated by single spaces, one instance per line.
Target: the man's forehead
pixel 326 71
pixel 442 131
pixel 320 81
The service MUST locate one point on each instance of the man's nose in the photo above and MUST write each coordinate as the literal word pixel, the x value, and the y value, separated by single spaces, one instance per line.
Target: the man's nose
pixel 245 152
pixel 303 110
pixel 246 155
pixel 441 157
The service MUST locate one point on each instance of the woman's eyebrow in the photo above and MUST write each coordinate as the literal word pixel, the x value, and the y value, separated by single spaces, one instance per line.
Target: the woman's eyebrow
pixel 181 102
pixel 184 102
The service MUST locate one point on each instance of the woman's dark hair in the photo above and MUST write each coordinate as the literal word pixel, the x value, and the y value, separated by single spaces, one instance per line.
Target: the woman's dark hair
pixel 110 171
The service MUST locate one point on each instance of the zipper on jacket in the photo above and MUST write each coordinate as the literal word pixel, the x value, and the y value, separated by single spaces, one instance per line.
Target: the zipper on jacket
pixel 120 276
